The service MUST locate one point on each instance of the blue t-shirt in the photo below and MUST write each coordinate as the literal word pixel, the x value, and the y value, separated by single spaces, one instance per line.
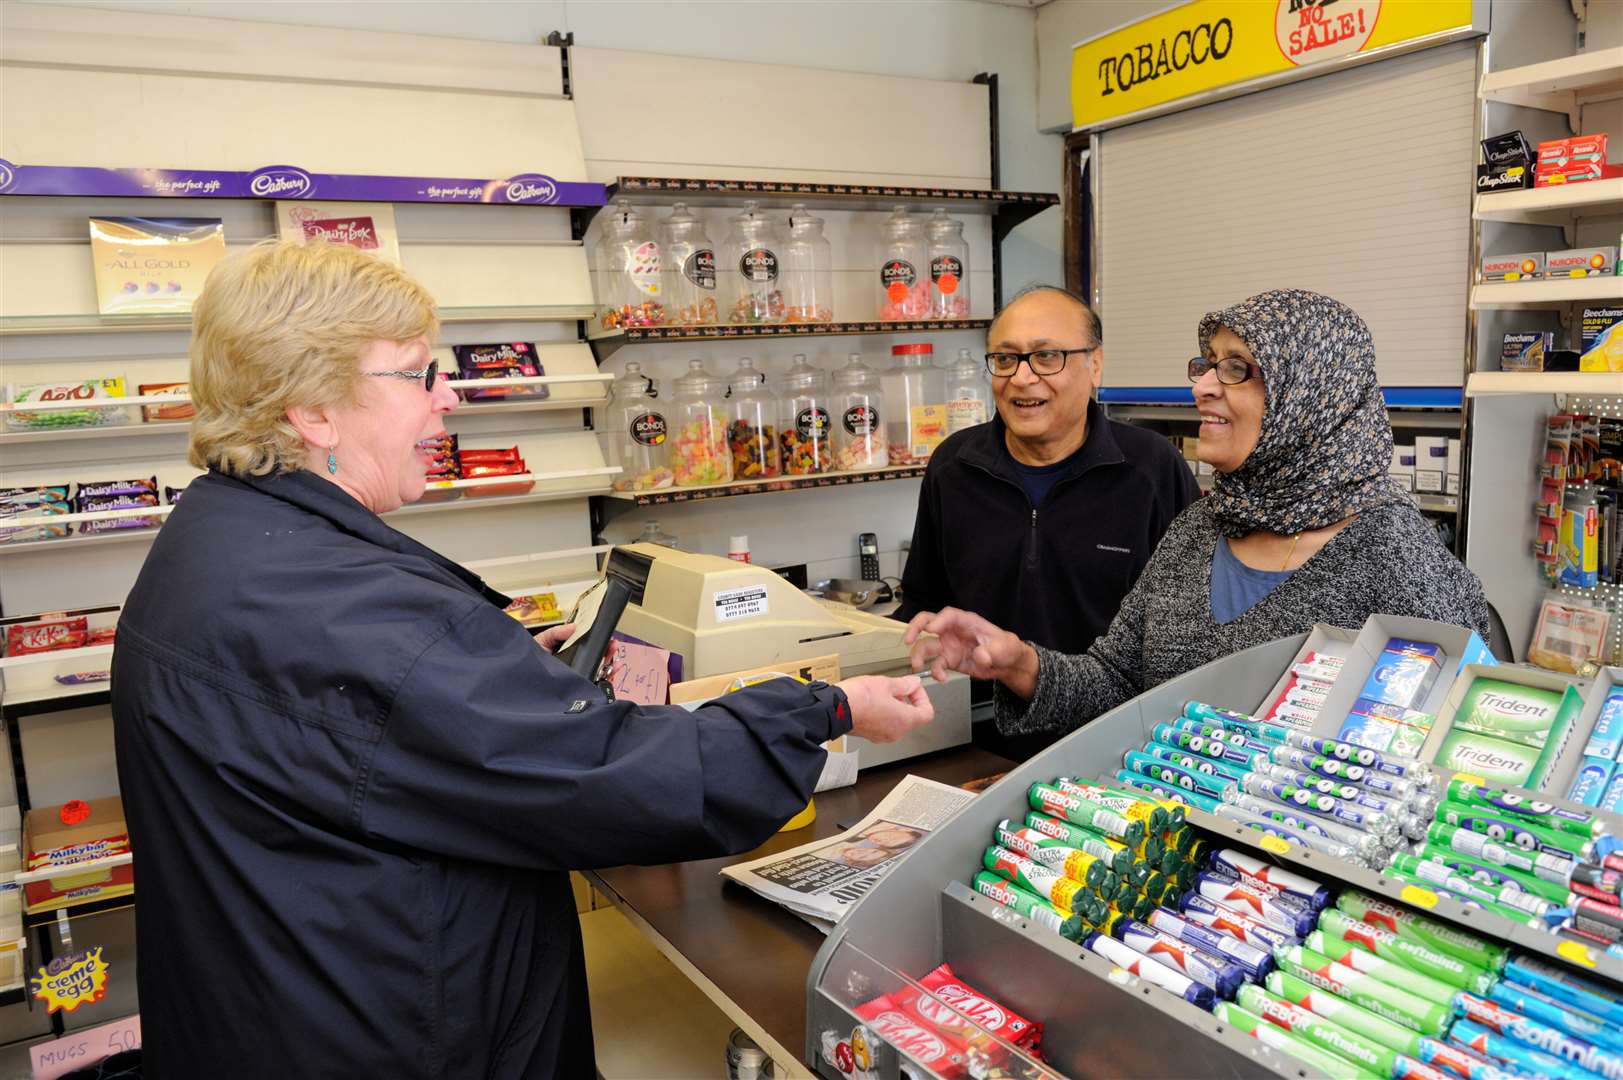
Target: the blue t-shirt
pixel 1236 587
pixel 1038 480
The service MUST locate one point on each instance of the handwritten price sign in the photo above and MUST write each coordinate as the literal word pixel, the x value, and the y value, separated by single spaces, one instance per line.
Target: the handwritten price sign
pixel 81 1048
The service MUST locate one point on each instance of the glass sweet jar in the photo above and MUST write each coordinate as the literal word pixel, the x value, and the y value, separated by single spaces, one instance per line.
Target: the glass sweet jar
pixel 859 433
pixel 688 267
pixel 699 453
pixel 916 397
pixel 628 270
pixel 904 285
pixel 969 398
pixel 643 449
pixel 808 270
pixel 752 424
pixel 949 268
pixel 752 264
pixel 805 422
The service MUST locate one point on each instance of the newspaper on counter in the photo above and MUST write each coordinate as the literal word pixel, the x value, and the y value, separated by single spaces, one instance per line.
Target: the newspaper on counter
pixel 821 880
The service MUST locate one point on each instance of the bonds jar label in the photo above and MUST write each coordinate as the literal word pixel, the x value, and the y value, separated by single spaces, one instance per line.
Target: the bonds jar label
pixel 861 420
pixel 700 268
pixel 648 429
pixel 642 267
pixel 946 271
pixel 758 265
pixel 813 423
pixel 897 276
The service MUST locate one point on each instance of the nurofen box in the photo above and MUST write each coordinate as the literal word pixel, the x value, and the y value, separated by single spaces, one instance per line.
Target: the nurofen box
pixel 1523 266
pixel 1580 262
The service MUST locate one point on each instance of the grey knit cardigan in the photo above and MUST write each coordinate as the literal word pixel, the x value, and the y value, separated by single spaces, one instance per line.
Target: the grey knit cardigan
pixel 1388 560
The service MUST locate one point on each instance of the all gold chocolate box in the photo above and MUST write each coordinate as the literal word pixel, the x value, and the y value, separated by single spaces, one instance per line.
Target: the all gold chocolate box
pixel 153 264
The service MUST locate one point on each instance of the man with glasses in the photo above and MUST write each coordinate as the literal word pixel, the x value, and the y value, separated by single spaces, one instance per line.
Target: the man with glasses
pixel 1041 520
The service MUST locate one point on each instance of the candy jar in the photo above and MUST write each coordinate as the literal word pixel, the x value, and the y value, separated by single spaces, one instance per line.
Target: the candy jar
pixel 949 268
pixel 752 419
pixel 805 424
pixel 699 452
pixel 904 288
pixel 653 534
pixel 628 270
pixel 969 400
pixel 688 268
pixel 750 261
pixel 916 419
pixel 808 270
pixel 643 445
pixel 859 434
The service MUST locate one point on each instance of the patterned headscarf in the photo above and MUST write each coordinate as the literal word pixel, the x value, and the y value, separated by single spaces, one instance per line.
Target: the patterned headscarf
pixel 1326 442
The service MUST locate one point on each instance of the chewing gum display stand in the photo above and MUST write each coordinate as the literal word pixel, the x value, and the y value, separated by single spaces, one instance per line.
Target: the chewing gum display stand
pixel 1099 1019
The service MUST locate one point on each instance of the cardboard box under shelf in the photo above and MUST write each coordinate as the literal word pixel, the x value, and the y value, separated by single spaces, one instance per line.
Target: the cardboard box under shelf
pixel 1322 639
pixel 1563 769
pixel 54 844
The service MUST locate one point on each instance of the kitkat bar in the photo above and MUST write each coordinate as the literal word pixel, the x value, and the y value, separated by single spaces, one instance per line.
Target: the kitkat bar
pixel 966 1001
pixel 47 635
pixel 937 1051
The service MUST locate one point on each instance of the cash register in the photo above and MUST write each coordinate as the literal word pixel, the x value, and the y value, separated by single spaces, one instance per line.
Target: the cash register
pixel 722 616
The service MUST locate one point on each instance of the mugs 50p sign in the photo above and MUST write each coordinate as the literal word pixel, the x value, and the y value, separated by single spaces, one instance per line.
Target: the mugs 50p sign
pixel 1208 45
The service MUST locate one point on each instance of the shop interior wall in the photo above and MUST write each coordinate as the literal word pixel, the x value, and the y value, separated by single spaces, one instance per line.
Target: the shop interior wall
pixel 1507 431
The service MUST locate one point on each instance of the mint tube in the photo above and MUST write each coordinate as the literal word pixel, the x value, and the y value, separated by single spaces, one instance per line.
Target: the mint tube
pixel 1391 764
pixel 1280 911
pixel 1206 783
pixel 1553 1041
pixel 1198 909
pixel 1130 804
pixel 1363 907
pixel 1399 1006
pixel 1520 1057
pixel 1559 869
pixel 1220 974
pixel 1312 802
pixel 1547 1010
pixel 1393 974
pixel 1164 791
pixel 1434 873
pixel 1488 874
pixel 1507 830
pixel 1344 1013
pixel 1228 718
pixel 1362 1051
pixel 1117 855
pixel 1209 746
pixel 1253 961
pixel 1313 841
pixel 1052 801
pixel 1351 794
pixel 1333 768
pixel 1471 897
pixel 1583 823
pixel 1266 877
pixel 1416 956
pixel 1574 990
pixel 1462 1062
pixel 1233 736
pixel 1289 1043
pixel 1044 850
pixel 1047 883
pixel 1029 906
pixel 1188 759
pixel 1151 971
pixel 1367 844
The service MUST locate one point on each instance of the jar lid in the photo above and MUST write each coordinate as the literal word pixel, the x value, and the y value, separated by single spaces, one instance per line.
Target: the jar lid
pixel 923 348
pixel 900 221
pixel 802 376
pixel 634 384
pixel 941 223
pixel 624 217
pixel 681 215
pixel 748 377
pixel 800 217
pixel 854 373
pixel 697 381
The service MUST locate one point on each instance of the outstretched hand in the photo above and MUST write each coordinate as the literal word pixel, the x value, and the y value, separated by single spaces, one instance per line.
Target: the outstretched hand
pixel 955 640
pixel 884 709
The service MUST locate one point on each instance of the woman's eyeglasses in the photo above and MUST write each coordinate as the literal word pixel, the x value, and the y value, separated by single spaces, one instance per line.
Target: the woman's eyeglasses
pixel 427 374
pixel 1041 362
pixel 1231 370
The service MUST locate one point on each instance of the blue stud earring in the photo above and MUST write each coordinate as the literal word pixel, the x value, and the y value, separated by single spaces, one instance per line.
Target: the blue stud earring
pixel 332 461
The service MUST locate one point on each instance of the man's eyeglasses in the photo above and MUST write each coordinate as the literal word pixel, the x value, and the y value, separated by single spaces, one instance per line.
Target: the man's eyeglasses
pixel 427 374
pixel 1231 370
pixel 1041 362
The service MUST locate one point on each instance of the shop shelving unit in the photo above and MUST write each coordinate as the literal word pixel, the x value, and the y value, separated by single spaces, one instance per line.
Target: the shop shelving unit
pixel 667 496
pixel 1549 205
pixel 1546 294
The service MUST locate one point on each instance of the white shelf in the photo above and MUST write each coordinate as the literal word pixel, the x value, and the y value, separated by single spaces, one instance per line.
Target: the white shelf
pixel 1557 205
pixel 94 403
pixel 46 873
pixel 24 520
pixel 1544 382
pixel 87 323
pixel 1546 294
pixel 1557 85
pixel 56 656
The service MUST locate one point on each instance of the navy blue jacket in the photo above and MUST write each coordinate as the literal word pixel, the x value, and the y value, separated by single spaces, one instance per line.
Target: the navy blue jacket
pixel 1054 574
pixel 354 786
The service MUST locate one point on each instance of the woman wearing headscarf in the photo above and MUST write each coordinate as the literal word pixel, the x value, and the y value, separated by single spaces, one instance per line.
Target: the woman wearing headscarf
pixel 1304 527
